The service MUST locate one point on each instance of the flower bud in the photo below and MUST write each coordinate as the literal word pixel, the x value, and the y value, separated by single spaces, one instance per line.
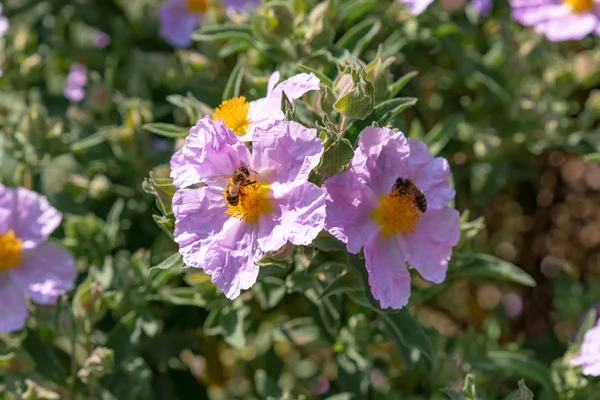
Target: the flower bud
pixel 320 31
pixel 379 75
pixel 98 364
pixel 273 20
pixel 356 100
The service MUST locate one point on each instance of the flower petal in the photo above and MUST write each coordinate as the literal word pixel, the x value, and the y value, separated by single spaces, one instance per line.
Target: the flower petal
pixel 285 152
pixel 13 307
pixel 349 203
pixel 211 151
pixel 429 248
pixel 29 214
pixel 231 258
pixel 45 273
pixel 568 27
pixel 296 86
pixel 389 278
pixel 177 23
pixel 417 7
pixel 199 217
pixel 224 247
pixel 380 158
pixel 301 217
pixel 273 79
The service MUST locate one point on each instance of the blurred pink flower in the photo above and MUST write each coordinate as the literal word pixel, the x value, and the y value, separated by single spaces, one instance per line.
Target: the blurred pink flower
pixel 76 82
pixel 559 20
pixel 101 39
pixel 320 385
pixel 589 357
pixel 28 265
pixel 513 304
pixel 364 210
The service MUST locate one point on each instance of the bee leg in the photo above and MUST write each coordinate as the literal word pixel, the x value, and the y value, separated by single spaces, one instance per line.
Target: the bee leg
pixel 248 183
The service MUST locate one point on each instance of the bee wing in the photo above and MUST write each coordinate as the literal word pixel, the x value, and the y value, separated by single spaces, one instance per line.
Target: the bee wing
pixel 216 180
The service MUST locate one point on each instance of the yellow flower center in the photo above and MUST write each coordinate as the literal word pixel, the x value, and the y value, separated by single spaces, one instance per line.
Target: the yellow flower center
pixel 197 6
pixel 234 114
pixel 580 6
pixel 10 251
pixel 397 214
pixel 253 203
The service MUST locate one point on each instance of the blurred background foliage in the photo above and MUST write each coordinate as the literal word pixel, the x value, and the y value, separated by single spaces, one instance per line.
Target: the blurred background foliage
pixel 513 113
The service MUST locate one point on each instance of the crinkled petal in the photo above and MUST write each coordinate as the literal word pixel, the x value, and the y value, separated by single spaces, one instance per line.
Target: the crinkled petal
pixel 223 247
pixel 231 258
pixel 389 278
pixel 417 7
pixel 45 273
pixel 13 307
pixel 285 152
pixel 29 214
pixel 429 248
pixel 199 217
pixel 380 158
pixel 211 151
pixel 300 217
pixel 268 109
pixel 177 23
pixel 349 203
pixel 296 86
pixel 568 27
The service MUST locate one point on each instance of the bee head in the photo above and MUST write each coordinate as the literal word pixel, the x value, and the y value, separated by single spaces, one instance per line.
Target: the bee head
pixel 245 170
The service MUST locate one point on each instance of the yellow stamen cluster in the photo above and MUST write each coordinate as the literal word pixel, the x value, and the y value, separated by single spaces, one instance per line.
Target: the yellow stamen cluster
pixel 197 6
pixel 397 214
pixel 10 251
pixel 580 6
pixel 253 203
pixel 234 114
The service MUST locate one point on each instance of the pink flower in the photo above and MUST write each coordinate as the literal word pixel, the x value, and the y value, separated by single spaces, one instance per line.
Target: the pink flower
pixel 280 205
pixel 29 267
pixel 244 117
pixel 589 358
pixel 364 210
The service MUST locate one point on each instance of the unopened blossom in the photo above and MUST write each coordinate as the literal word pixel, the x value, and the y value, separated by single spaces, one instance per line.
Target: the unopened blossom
pixel 243 117
pixel 76 82
pixel 559 20
pixel 275 206
pixel 416 7
pixel 179 18
pixel 365 211
pixel 29 267
pixel 589 357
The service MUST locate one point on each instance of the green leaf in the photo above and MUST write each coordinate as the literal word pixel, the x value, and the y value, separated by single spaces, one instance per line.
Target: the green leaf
pixel 326 242
pixel 167 130
pixel 469 387
pixel 382 113
pixel 487 266
pixel 223 32
pixel 166 270
pixel 593 157
pixel 269 291
pixel 234 47
pixel 453 394
pixel 181 296
pixel 336 156
pixel 397 86
pixel 95 139
pixel 407 334
pixel 322 77
pixel 350 281
pixel 357 38
pixel 588 323
pixel 516 364
pixel 341 396
pixel 232 89
pixel 439 136
pixel 356 10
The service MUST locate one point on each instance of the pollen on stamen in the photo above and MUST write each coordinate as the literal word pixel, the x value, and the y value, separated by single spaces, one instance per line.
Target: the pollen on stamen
pixel 197 6
pixel 253 202
pixel 10 251
pixel 397 214
pixel 234 114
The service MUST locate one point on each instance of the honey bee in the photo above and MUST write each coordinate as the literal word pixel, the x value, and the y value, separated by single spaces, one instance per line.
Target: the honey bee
pixel 241 177
pixel 407 187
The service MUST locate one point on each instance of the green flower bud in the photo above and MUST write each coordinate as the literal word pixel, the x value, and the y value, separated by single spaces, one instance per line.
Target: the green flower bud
pixel 98 364
pixel 320 30
pixel 379 75
pixel 273 21
pixel 356 100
